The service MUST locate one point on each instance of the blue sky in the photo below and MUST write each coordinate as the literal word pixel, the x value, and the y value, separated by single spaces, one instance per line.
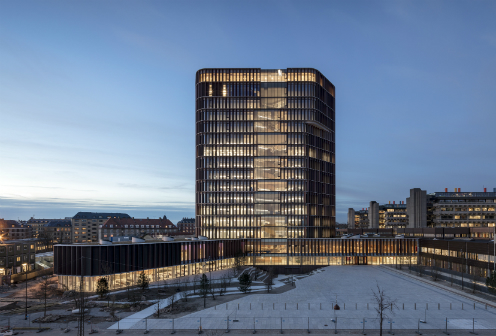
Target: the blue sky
pixel 97 97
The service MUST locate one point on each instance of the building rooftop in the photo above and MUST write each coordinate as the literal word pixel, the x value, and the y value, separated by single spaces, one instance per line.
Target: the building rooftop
pixel 186 220
pixel 33 220
pixel 100 215
pixel 8 223
pixel 118 223
pixel 58 223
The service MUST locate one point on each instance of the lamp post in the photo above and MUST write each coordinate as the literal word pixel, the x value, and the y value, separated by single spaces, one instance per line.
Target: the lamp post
pixel 461 253
pixel 209 259
pixel 26 309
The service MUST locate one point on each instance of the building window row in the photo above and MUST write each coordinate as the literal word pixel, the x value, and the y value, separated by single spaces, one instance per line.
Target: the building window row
pixel 247 115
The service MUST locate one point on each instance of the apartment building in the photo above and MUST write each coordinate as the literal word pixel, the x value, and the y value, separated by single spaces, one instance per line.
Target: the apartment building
pixel 37 224
pixel 11 229
pixel 186 225
pixel 85 225
pixel 59 231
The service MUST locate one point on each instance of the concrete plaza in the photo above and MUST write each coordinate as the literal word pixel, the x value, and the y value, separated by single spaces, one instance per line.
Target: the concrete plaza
pixel 309 305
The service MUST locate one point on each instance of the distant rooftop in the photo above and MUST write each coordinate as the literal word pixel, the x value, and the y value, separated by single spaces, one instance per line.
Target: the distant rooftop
pixel 58 223
pixel 186 220
pixel 100 215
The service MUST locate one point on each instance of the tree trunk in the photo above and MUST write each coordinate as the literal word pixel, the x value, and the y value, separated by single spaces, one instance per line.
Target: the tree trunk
pixel 380 327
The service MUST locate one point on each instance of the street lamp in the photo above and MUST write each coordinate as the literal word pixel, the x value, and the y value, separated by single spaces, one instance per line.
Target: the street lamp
pixel 461 253
pixel 26 309
pixel 209 259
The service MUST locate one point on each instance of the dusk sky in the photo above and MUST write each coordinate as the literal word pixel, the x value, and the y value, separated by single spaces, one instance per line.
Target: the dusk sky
pixel 97 97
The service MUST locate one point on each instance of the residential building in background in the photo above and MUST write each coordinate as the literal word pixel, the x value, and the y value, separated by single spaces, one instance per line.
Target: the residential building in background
pixel 59 231
pixel 265 164
pixel 11 229
pixel 85 225
pixel 37 224
pixel 186 225
pixel 131 227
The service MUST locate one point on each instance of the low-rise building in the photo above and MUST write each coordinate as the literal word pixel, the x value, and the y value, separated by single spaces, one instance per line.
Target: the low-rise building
pixel 85 225
pixel 135 227
pixel 186 225
pixel 11 229
pixel 17 256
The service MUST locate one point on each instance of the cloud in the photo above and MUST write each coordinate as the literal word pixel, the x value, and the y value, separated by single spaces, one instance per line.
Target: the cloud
pixel 184 186
pixel 13 208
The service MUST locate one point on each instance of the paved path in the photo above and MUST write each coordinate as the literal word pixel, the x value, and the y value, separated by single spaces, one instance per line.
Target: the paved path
pixel 310 305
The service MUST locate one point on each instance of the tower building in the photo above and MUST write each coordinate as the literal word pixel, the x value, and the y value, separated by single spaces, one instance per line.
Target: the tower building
pixel 265 164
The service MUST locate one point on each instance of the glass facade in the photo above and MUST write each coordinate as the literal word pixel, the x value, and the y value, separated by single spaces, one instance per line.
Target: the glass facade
pixel 265 156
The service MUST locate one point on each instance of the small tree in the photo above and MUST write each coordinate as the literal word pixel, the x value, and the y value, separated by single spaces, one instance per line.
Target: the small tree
pixel 225 281
pixel 204 287
pixel 158 309
pixel 113 307
pixel 244 283
pixel 184 293
pixel 231 273
pixel 170 301
pixel 239 261
pixel 385 306
pixel 143 281
pixel 45 291
pixel 491 282
pixel 102 287
pixel 196 280
pixel 212 288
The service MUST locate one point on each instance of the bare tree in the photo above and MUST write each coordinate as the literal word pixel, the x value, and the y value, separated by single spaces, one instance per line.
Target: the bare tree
pixel 419 270
pixel 225 281
pixel 269 281
pixel 196 280
pixel 211 288
pixel 170 301
pixel 434 272
pixel 231 272
pixel 385 306
pixel 184 293
pixel 239 261
pixel 46 290
pixel 46 237
pixel 157 311
pixel 113 308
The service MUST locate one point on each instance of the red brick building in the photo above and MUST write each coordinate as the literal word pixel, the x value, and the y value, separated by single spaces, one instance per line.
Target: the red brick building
pixel 135 227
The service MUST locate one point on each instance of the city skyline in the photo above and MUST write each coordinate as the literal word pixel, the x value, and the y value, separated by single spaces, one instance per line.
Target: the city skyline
pixel 96 100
